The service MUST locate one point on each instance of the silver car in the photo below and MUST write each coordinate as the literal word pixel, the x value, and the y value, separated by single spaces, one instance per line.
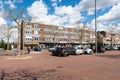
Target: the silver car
pixel 88 50
pixel 79 50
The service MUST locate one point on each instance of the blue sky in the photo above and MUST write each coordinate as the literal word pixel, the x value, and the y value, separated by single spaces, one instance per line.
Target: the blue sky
pixel 67 12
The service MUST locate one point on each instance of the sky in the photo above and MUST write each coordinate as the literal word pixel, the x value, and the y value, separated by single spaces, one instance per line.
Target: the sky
pixel 67 12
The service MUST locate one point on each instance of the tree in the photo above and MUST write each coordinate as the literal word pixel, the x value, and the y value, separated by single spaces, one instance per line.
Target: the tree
pixel 53 33
pixel 111 32
pixel 16 16
pixel 100 37
pixel 2 43
pixel 81 31
pixel 7 33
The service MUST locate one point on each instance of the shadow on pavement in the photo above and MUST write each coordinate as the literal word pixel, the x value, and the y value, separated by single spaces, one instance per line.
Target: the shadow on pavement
pixel 112 56
pixel 28 74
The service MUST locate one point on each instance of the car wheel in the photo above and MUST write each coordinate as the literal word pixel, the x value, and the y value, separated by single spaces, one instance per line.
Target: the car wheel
pixel 74 53
pixel 81 53
pixel 67 54
pixel 59 54
pixel 91 52
pixel 85 52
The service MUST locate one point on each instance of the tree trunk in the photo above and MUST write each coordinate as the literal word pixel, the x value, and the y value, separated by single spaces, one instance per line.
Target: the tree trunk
pixel 19 53
pixel 8 44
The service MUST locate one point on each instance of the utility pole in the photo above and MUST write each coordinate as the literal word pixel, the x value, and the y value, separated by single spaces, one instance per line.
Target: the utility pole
pixel 95 27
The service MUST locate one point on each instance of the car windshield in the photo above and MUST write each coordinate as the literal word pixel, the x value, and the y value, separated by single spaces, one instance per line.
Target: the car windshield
pixel 86 48
pixel 79 48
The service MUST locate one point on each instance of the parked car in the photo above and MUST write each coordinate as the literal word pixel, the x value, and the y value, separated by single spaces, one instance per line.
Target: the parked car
pixel 114 47
pixel 107 47
pixel 87 50
pixel 51 49
pixel 1 49
pixel 111 47
pixel 101 49
pixel 60 51
pixel 37 48
pixel 119 48
pixel 71 50
pixel 74 50
pixel 78 50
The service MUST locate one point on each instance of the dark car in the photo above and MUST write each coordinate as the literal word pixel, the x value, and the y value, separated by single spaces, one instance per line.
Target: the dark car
pixel 101 49
pixel 71 50
pixel 60 51
pixel 37 48
pixel 119 48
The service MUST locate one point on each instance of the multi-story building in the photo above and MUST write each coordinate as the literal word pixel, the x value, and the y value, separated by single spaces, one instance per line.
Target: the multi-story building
pixel 34 34
pixel 112 39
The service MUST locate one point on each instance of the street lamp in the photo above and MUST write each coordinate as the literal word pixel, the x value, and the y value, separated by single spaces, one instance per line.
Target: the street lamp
pixel 95 28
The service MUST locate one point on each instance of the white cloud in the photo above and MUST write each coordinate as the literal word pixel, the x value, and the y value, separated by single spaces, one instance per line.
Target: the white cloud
pixel 104 21
pixel 55 0
pixel 90 4
pixel 100 26
pixel 38 12
pixel 2 21
pixel 10 3
pixel 112 15
pixel 60 0
pixel 63 16
pixel 69 15
pixel 37 9
pixel 90 12
pixel 64 10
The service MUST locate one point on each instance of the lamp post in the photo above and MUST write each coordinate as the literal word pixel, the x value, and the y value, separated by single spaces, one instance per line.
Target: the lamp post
pixel 95 28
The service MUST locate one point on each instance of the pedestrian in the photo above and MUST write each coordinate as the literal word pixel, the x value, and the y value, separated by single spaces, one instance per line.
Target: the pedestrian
pixel 28 50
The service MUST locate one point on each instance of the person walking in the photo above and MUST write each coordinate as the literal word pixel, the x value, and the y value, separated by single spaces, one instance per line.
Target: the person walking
pixel 28 50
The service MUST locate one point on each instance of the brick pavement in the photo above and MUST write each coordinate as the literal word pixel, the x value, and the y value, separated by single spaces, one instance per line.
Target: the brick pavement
pixel 100 66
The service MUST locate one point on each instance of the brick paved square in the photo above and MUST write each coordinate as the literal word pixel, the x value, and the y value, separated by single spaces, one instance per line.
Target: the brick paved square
pixel 43 66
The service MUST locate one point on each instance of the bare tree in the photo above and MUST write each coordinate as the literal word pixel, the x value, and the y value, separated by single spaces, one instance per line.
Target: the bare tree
pixel 7 33
pixel 16 16
pixel 112 31
pixel 100 37
pixel 53 33
pixel 81 31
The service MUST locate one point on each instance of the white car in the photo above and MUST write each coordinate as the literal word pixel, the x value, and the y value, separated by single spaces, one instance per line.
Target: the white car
pixel 79 50
pixel 51 49
pixel 88 50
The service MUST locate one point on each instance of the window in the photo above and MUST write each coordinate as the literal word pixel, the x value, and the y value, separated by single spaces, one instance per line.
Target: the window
pixel 36 25
pixel 35 32
pixel 28 39
pixel 41 29
pixel 36 38
pixel 28 32
pixel 47 27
